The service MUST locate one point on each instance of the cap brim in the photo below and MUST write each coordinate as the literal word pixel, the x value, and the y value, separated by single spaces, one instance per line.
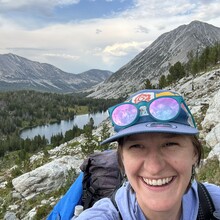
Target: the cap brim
pixel 152 127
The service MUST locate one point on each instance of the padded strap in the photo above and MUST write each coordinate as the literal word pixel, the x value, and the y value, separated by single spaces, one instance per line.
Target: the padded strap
pixel 206 206
pixel 87 195
pixel 115 204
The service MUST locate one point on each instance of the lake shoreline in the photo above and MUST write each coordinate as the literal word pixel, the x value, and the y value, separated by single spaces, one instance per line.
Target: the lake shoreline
pixel 50 129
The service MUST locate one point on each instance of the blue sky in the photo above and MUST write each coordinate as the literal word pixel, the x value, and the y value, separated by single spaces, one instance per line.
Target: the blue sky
pixel 78 35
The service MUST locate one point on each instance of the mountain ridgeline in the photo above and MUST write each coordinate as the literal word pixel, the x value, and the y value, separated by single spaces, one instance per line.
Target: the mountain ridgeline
pixel 156 59
pixel 18 73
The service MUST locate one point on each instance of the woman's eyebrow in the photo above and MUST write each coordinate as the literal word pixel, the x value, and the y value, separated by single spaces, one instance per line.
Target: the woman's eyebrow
pixel 170 135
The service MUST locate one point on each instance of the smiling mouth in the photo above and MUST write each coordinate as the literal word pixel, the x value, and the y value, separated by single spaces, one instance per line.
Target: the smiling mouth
pixel 158 182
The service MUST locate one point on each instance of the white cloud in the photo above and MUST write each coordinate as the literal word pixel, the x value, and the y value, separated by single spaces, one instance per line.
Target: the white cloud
pixel 121 51
pixel 98 31
pixel 208 11
pixel 142 29
pixel 124 48
pixel 64 56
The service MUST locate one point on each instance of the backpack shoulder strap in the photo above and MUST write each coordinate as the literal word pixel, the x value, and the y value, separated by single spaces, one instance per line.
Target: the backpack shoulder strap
pixel 115 204
pixel 88 191
pixel 206 206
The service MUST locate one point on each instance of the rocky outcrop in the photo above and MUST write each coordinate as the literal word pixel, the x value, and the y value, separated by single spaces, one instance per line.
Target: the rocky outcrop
pixel 46 178
pixel 211 125
pixel 212 117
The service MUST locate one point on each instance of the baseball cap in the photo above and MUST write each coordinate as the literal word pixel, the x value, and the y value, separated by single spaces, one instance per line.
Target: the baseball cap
pixel 151 110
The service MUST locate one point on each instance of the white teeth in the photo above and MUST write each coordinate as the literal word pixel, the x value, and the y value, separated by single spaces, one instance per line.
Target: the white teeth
pixel 157 182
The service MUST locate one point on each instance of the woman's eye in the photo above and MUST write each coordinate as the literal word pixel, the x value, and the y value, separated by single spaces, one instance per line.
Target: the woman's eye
pixel 170 144
pixel 136 146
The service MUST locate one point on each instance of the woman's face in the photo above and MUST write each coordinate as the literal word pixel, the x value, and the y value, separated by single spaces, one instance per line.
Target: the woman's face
pixel 158 167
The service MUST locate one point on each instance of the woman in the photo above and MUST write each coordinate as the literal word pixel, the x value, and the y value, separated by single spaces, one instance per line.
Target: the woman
pixel 158 151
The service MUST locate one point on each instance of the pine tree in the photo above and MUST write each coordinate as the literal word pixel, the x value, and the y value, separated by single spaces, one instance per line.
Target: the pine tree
pixel 162 82
pixel 147 84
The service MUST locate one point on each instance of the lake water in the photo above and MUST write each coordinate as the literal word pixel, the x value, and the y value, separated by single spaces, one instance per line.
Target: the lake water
pixel 56 128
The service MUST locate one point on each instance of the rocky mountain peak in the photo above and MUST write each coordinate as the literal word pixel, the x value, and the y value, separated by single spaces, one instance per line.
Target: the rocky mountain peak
pixel 156 59
pixel 18 73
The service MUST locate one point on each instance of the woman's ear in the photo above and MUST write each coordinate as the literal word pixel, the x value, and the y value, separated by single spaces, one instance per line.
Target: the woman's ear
pixel 195 157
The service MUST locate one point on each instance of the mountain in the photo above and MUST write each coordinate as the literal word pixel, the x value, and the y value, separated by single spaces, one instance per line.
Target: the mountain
pixel 156 59
pixel 18 73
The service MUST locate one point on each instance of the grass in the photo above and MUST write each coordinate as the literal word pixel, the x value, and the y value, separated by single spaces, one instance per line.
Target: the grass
pixel 80 110
pixel 210 171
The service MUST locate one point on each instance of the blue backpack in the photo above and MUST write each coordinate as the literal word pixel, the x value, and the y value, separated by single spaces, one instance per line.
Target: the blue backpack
pixel 99 178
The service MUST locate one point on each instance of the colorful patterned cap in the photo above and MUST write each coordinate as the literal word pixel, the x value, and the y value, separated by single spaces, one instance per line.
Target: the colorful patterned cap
pixel 146 112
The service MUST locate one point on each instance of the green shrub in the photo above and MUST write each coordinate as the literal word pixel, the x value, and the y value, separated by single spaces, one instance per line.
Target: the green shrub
pixel 16 172
pixel 210 172
pixel 206 151
pixel 42 212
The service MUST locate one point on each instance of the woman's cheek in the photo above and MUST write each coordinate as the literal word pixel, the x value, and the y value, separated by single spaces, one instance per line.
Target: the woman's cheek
pixel 131 165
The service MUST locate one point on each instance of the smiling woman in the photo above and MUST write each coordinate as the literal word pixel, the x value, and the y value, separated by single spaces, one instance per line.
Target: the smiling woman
pixel 159 165
pixel 158 156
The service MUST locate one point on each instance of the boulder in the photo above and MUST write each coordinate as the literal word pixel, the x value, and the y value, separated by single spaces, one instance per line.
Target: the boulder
pixel 10 216
pixel 212 118
pixel 46 178
pixel 213 137
pixel 215 152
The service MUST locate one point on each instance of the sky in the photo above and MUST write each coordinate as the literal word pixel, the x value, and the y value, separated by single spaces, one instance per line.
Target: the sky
pixel 79 35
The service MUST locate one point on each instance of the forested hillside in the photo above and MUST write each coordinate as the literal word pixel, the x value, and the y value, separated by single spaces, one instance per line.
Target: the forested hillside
pixel 22 109
pixel 197 62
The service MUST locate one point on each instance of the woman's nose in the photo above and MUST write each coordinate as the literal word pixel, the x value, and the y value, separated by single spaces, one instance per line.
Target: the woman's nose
pixel 154 162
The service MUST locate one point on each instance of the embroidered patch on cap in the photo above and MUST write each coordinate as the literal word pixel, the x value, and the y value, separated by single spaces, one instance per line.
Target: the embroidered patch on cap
pixel 166 94
pixel 143 97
